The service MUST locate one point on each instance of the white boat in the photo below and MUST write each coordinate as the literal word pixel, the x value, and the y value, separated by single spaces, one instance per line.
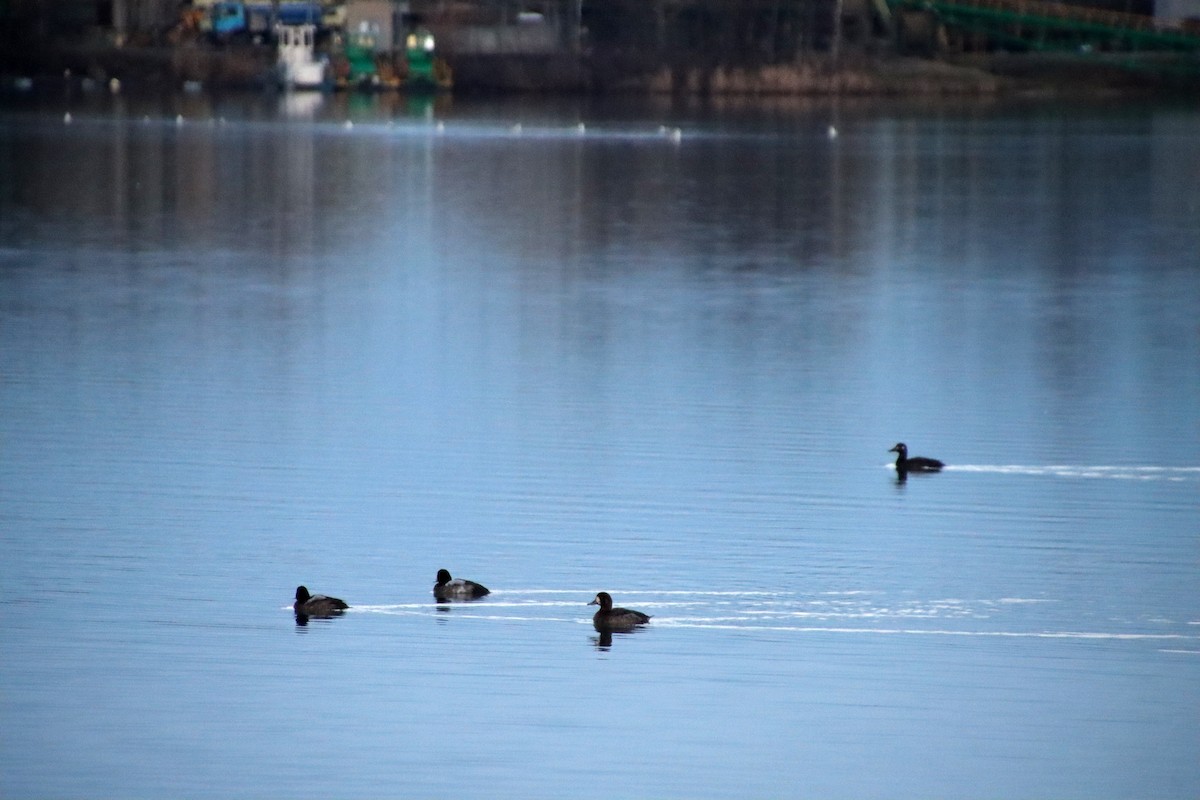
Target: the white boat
pixel 299 67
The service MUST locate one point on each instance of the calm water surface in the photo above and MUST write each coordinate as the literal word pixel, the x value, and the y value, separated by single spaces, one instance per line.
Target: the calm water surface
pixel 255 346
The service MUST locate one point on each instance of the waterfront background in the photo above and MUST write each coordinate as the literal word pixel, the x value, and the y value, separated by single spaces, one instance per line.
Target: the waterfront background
pixel 250 341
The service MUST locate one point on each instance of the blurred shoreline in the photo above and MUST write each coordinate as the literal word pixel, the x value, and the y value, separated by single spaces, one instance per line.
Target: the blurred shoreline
pixel 989 74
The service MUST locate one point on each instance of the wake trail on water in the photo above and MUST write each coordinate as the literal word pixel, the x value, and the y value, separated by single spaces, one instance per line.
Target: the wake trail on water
pixel 876 631
pixel 857 613
pixel 1131 473
pixel 575 598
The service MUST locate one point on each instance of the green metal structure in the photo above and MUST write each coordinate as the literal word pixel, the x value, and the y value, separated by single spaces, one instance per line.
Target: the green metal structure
pixel 360 53
pixel 424 69
pixel 1043 26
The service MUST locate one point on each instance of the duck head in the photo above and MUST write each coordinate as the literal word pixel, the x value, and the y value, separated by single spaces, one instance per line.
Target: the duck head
pixel 604 600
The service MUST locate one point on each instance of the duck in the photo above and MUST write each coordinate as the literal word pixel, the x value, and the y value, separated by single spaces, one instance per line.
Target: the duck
pixel 914 464
pixel 448 588
pixel 317 605
pixel 615 619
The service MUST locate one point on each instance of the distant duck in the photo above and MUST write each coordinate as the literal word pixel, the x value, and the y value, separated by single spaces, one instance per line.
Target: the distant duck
pixel 615 619
pixel 317 605
pixel 448 588
pixel 905 464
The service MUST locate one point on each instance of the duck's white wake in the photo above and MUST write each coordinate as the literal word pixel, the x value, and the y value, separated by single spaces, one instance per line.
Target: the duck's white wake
pixel 736 624
pixel 858 614
pixel 1129 473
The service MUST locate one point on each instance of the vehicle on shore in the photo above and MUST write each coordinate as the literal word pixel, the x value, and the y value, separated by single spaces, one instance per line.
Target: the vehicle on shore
pixel 227 20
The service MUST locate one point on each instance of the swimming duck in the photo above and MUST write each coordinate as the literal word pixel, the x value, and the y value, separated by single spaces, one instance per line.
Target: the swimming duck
pixel 317 605
pixel 615 619
pixel 914 464
pixel 448 588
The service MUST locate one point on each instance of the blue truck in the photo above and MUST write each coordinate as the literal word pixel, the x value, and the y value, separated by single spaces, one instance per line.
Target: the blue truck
pixel 230 20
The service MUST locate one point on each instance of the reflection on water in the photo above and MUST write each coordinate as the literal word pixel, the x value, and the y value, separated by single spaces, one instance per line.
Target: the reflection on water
pixel 259 346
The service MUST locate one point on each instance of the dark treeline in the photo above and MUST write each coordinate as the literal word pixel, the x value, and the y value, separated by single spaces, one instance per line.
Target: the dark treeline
pixel 746 32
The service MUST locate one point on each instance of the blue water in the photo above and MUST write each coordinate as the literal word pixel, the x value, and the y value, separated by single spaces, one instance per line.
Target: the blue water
pixel 244 346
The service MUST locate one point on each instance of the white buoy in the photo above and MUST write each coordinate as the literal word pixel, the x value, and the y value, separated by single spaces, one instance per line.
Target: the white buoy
pixel 347 125
pixel 179 119
pixel 114 85
pixel 676 135
pixel 516 129
pixel 67 118
pixel 832 133
pixel 581 129
pixel 440 127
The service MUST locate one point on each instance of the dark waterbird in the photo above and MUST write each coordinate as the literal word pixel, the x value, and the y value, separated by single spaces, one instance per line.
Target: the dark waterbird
pixel 904 464
pixel 615 619
pixel 448 588
pixel 317 605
